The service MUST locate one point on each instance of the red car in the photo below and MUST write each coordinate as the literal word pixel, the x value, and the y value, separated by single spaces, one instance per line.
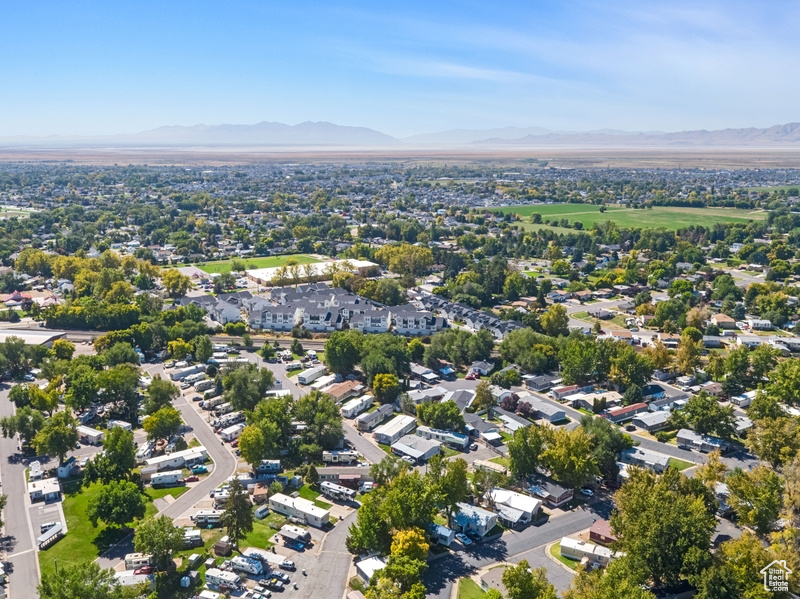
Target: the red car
pixel 235 443
pixel 144 570
pixel 471 377
pixel 191 479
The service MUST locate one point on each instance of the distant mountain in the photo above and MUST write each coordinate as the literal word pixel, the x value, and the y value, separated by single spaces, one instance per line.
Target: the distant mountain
pixel 778 135
pixel 268 134
pixel 466 136
pixel 260 134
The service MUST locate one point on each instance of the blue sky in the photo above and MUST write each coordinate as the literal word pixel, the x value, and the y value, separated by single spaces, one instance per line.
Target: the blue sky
pixel 88 67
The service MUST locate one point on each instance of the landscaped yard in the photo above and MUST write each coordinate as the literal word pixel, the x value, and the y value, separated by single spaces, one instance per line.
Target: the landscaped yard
pixel 502 461
pixel 668 217
pixel 222 266
pixel 262 532
pixel 83 542
pixel 306 492
pixel 469 589
pixel 680 464
pixel 555 551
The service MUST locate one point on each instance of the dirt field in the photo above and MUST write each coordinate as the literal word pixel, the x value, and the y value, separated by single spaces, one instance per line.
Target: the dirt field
pixel 667 158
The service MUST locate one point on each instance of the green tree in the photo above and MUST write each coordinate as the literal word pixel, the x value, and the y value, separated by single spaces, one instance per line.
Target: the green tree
pixel 162 424
pixel 12 356
pixel 386 387
pixel 58 435
pixel 254 445
pixel 775 440
pixel 82 387
pixel 444 415
pixel 607 443
pixel 160 394
pixel 416 350
pixel 568 456
pixel 160 538
pixel 755 496
pixel 120 353
pixel 179 349
pixel 578 360
pixel 663 530
pixel 323 422
pixel 117 460
pixel 688 356
pixel 202 348
pixel 25 422
pixel 80 581
pixel 555 321
pixel 118 503
pixel 525 449
pixel 238 516
pixel 785 381
pixel 175 283
pixel 522 582
pixel 63 349
pixel 245 386
pixel 483 397
pixel 706 416
pixel 407 560
pixel 387 470
pixel 613 582
pixel 343 351
pixel 451 482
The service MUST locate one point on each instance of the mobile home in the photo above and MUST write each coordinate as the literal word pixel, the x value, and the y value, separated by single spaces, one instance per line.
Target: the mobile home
pixel 206 518
pixel 335 491
pixel 356 406
pixel 299 508
pixel 232 432
pixel 182 373
pixel 216 578
pixel 169 478
pixel 310 375
pixel 339 457
pixel 90 436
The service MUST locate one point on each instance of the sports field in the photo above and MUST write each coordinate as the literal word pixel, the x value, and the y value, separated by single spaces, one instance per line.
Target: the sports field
pixel 222 266
pixel 668 217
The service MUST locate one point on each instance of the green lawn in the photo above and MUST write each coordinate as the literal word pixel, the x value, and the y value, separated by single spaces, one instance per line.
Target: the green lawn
pixel 555 551
pixel 505 462
pixel 680 464
pixel 306 492
pixel 669 217
pixel 83 542
pixel 262 532
pixel 469 589
pixel 222 266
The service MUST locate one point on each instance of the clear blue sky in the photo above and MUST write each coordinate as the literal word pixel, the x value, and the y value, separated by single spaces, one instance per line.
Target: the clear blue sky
pixel 89 67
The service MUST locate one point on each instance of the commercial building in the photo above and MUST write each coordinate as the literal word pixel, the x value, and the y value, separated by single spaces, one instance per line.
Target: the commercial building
pixel 46 489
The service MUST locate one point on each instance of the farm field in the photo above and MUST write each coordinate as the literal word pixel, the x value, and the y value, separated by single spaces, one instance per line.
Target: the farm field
pixel 223 266
pixel 668 217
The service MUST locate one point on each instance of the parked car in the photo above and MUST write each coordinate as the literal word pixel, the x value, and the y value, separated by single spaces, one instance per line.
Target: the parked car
pixel 471 377
pixel 144 570
pixel 284 578
pixel 474 447
pixel 47 526
pixel 199 469
pixel 463 539
pixel 587 492
pixel 191 479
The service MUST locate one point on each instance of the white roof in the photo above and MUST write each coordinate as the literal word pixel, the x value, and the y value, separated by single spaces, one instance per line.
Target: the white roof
pixel 395 425
pixel 299 503
pixel 518 501
pixel 46 486
pixel 371 565
pixel 31 337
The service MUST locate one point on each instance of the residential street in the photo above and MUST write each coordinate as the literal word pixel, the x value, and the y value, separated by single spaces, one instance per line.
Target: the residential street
pixel 18 540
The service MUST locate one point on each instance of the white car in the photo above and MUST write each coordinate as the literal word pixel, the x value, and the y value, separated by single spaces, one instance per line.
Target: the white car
pixel 463 539
pixel 587 492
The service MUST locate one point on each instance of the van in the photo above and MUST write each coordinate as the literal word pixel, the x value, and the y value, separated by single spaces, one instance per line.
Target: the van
pixel 47 526
pixel 260 513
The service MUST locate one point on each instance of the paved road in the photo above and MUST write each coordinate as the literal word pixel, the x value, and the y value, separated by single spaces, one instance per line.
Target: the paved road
pixel 364 446
pixel 17 542
pixel 511 547
pixel 224 466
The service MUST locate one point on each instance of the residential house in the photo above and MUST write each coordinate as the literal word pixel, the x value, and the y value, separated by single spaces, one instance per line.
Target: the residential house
pixel 553 494
pixel 652 421
pixel 644 458
pixel 600 532
pixel 723 321
pixel 471 518
pixel 688 439
pixel 542 382
pixel 418 448
pixel 482 368
pixel 514 509
pixel 759 324
pixel 623 414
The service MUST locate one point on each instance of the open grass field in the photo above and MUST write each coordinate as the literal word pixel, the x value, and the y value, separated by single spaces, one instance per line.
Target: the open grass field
pixel 668 217
pixel 83 542
pixel 223 266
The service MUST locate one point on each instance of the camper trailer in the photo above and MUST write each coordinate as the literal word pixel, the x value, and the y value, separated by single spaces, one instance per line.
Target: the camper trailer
pixel 339 457
pixel 138 560
pixel 247 565
pixel 169 478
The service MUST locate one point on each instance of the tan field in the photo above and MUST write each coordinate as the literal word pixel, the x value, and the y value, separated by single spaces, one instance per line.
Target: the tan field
pixel 668 158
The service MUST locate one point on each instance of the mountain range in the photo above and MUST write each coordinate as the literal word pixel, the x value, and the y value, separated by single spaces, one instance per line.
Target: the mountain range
pixel 329 134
